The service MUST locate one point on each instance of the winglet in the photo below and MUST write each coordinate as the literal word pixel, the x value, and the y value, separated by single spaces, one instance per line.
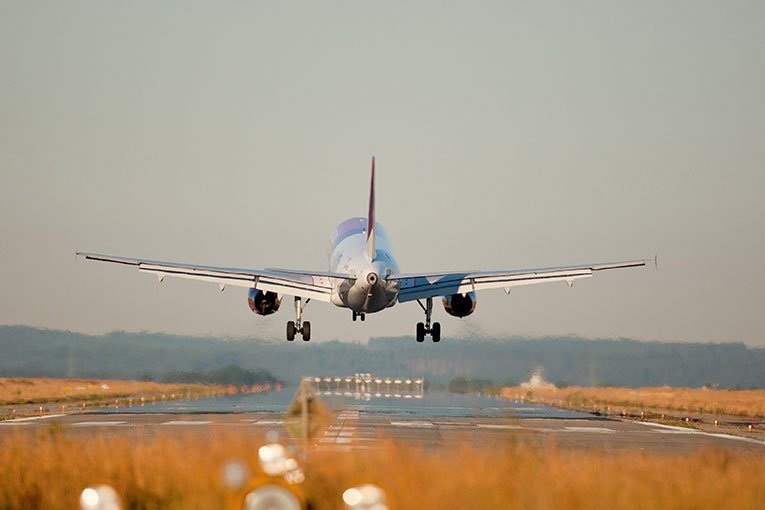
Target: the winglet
pixel 371 251
pixel 656 261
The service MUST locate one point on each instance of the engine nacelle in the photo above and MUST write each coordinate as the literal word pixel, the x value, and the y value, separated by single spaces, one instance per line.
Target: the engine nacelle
pixel 263 303
pixel 460 305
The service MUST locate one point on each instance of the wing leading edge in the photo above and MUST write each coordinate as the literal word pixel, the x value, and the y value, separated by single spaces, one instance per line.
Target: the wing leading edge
pixel 425 285
pixel 307 284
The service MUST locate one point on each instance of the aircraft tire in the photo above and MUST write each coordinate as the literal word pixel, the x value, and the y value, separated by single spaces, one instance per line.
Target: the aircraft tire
pixel 436 332
pixel 306 331
pixel 290 331
pixel 420 332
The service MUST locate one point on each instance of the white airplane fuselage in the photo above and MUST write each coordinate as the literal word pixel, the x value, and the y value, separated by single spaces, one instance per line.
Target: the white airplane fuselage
pixel 370 292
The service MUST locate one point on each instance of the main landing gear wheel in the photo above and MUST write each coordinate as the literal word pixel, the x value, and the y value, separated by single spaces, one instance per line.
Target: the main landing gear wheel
pixel 435 333
pixel 290 331
pixel 360 315
pixel 298 326
pixel 420 332
pixel 426 329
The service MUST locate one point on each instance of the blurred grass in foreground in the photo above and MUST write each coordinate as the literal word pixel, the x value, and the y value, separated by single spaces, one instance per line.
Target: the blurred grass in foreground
pixel 702 400
pixel 170 471
pixel 32 390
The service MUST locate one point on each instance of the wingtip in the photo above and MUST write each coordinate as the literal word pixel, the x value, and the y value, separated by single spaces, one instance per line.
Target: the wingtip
pixel 656 261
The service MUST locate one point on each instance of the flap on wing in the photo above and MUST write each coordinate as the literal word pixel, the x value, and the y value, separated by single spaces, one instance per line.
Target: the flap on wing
pixel 420 286
pixel 309 284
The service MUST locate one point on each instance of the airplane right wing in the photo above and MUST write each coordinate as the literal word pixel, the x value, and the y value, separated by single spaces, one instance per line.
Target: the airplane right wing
pixel 428 285
pixel 306 284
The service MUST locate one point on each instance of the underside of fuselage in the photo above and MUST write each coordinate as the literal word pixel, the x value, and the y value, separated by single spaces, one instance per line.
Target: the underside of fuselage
pixel 370 292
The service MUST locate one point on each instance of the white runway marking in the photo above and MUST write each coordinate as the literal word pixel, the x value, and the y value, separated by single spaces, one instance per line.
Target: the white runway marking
pixel 266 422
pixel 682 430
pixel 30 418
pixel 98 423
pixel 490 426
pixel 187 422
pixel 595 430
pixel 413 424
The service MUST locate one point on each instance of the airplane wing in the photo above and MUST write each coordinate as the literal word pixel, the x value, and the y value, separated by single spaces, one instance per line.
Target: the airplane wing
pixel 307 284
pixel 425 285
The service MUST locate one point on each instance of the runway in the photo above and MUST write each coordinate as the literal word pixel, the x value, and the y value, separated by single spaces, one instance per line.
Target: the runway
pixel 435 421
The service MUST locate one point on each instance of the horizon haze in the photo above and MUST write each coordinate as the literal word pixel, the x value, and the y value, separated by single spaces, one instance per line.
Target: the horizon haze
pixel 507 136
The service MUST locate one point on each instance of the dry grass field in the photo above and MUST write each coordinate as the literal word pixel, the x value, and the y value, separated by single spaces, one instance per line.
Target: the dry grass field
pixel 688 400
pixel 171 471
pixel 19 390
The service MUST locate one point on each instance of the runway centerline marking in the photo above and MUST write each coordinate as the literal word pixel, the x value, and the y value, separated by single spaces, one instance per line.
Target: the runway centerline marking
pixel 98 423
pixel 491 426
pixel 187 422
pixel 413 424
pixel 596 430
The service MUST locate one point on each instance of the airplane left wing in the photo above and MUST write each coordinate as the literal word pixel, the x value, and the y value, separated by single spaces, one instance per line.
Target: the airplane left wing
pixel 307 284
pixel 428 285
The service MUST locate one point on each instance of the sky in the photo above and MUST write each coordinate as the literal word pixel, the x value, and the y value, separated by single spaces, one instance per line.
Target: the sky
pixel 508 135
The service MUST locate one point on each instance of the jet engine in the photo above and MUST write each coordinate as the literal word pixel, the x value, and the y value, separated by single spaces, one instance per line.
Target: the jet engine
pixel 263 303
pixel 460 305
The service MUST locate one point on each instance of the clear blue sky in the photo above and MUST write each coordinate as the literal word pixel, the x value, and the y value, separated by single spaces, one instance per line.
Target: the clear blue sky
pixel 508 135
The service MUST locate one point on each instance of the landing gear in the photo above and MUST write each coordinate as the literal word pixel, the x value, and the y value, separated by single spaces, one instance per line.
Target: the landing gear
pixel 290 331
pixel 360 315
pixel 298 326
pixel 426 329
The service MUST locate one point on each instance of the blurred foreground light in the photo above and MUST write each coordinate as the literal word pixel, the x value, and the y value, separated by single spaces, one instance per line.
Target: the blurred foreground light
pixel 274 461
pixel 365 497
pixel 235 474
pixel 99 497
pixel 271 497
pixel 295 476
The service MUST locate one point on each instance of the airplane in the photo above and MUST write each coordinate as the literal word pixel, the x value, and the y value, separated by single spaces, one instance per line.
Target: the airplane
pixel 364 277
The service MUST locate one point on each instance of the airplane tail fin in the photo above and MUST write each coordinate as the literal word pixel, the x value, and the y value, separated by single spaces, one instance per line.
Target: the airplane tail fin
pixel 370 251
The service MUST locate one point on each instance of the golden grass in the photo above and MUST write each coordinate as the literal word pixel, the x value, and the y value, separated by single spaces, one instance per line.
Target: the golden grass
pixel 690 400
pixel 170 471
pixel 18 390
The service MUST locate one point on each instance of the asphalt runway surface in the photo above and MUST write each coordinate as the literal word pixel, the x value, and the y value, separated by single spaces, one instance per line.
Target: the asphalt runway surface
pixel 434 421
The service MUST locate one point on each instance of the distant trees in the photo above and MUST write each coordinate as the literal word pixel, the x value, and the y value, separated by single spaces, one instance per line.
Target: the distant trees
pixel 230 375
pixel 26 351
pixel 465 385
